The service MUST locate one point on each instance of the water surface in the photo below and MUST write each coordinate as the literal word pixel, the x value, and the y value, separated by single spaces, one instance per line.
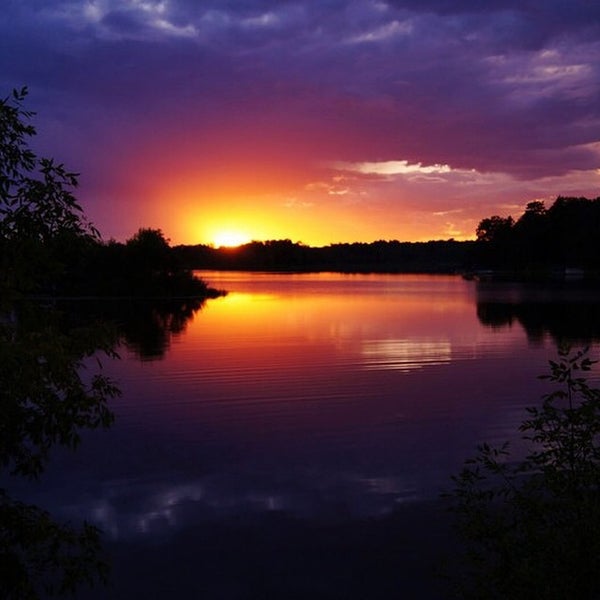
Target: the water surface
pixel 310 393
pixel 316 396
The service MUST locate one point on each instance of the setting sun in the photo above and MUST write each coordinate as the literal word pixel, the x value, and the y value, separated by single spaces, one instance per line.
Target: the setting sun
pixel 230 238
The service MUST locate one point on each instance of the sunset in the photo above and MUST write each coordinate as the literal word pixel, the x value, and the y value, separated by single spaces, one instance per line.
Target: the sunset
pixel 354 121
pixel 300 300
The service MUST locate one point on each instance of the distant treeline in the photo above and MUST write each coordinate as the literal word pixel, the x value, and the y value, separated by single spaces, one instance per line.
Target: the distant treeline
pixel 284 255
pixel 541 242
pixel 564 236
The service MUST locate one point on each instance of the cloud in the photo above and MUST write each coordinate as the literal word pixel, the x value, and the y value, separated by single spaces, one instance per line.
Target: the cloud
pixel 294 203
pixel 552 73
pixel 383 32
pixel 117 20
pixel 392 167
pixel 479 95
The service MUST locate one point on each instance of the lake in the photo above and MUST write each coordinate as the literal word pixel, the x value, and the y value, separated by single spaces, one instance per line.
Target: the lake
pixel 299 404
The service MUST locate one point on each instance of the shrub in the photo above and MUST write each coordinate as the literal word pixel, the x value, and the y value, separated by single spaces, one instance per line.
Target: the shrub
pixel 531 528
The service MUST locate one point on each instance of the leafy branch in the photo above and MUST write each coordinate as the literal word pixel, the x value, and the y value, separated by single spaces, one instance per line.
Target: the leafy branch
pixel 531 528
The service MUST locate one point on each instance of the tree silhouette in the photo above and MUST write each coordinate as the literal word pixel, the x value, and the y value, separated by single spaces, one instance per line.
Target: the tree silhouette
pixel 562 236
pixel 532 526
pixel 38 211
pixel 495 229
pixel 45 399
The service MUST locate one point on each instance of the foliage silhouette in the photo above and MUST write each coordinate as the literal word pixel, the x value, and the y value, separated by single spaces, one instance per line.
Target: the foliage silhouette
pixel 46 396
pixel 47 245
pixel 532 527
pixel 144 267
pixel 560 237
pixel 38 213
pixel 494 229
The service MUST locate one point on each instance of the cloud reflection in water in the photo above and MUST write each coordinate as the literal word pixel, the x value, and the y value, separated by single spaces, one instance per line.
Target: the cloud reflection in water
pixel 127 509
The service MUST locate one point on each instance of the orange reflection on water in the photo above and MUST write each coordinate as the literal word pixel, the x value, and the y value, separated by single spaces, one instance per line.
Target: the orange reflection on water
pixel 283 359
pixel 370 321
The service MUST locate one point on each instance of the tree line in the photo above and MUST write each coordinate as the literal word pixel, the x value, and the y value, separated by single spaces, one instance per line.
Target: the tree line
pixel 285 255
pixel 145 266
pixel 563 236
pixel 542 239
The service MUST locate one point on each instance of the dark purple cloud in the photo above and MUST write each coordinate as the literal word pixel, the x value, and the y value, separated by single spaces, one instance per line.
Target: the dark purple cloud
pixel 498 87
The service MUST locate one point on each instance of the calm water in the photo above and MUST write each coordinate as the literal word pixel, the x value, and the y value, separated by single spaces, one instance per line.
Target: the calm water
pixel 319 396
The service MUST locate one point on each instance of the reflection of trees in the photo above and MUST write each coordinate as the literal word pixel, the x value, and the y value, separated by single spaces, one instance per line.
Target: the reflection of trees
pixel 565 316
pixel 149 327
pixel 145 326
pixel 47 398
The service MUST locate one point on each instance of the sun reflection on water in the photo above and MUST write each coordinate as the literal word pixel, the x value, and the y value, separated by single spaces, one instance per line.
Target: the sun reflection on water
pixel 405 354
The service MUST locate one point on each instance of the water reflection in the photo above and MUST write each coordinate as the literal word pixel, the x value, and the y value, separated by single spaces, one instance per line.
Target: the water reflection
pixel 53 388
pixel 309 395
pixel 147 508
pixel 378 322
pixel 149 328
pixel 47 399
pixel 405 354
pixel 146 327
pixel 565 314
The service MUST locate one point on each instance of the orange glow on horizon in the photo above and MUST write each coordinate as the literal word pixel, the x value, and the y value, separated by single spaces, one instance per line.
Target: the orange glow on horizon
pixel 252 189
pixel 211 224
pixel 206 210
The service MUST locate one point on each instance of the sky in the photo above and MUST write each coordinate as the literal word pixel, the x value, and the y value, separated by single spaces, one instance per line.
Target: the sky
pixel 324 121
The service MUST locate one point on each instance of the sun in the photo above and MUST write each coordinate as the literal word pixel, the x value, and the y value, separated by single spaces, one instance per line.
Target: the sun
pixel 230 238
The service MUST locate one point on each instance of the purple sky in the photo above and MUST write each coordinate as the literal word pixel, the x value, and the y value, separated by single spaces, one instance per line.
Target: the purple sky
pixel 317 121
